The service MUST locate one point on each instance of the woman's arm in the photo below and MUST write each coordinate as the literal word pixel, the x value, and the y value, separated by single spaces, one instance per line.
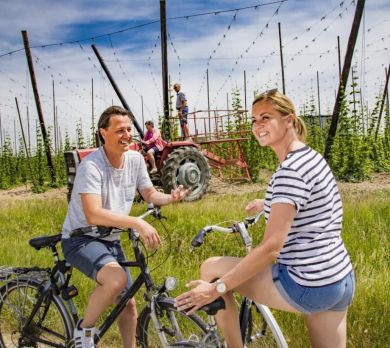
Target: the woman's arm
pixel 156 135
pixel 276 231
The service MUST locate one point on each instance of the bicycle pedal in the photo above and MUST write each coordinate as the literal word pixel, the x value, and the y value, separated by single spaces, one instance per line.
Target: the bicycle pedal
pixel 69 292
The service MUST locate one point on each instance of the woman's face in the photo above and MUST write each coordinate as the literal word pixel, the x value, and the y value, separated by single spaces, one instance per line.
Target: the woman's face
pixel 268 125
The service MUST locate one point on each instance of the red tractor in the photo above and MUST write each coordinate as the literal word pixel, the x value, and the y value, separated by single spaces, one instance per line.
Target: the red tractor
pixel 180 163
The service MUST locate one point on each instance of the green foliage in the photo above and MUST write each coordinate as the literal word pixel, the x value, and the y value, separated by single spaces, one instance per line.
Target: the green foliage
pixel 80 140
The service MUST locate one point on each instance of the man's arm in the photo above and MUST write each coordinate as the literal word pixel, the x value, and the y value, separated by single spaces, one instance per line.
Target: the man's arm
pixel 95 214
pixel 151 195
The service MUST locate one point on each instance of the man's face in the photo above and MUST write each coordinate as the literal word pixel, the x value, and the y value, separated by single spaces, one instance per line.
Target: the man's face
pixel 117 136
pixel 176 88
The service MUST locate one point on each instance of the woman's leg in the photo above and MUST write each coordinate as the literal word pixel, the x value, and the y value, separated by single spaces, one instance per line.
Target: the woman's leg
pixel 260 288
pixel 150 156
pixel 327 329
pixel 111 280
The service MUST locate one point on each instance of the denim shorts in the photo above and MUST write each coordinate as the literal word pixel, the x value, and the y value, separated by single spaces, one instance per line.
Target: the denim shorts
pixel 155 149
pixel 334 297
pixel 89 255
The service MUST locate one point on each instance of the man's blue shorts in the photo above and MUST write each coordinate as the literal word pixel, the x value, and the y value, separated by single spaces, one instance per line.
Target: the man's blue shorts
pixel 89 254
pixel 334 297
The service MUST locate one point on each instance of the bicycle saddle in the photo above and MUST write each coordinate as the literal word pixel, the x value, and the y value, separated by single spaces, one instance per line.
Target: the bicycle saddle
pixel 44 241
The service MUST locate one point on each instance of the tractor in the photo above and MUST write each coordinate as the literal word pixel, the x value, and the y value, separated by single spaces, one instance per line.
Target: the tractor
pixel 180 163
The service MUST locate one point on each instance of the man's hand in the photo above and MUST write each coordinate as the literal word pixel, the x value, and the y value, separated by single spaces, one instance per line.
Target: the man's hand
pixel 179 193
pixel 148 234
pixel 255 206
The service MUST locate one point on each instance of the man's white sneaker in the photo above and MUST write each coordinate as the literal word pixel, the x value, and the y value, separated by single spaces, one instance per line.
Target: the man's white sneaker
pixel 83 337
pixel 153 171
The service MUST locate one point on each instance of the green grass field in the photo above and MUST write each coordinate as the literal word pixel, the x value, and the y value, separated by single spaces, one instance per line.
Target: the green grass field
pixel 366 234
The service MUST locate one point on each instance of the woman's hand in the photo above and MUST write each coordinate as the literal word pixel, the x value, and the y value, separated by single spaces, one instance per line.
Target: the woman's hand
pixel 202 293
pixel 255 206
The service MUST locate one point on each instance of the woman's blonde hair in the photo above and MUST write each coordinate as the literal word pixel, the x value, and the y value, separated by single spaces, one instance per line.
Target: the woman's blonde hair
pixel 285 106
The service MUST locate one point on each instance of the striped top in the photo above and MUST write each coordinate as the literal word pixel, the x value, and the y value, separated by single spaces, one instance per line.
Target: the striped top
pixel 314 252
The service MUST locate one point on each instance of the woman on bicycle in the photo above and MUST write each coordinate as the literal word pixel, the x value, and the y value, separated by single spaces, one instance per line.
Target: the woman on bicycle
pixel 103 193
pixel 301 264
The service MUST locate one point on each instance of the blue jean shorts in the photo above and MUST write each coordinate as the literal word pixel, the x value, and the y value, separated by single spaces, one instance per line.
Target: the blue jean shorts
pixel 89 255
pixel 334 297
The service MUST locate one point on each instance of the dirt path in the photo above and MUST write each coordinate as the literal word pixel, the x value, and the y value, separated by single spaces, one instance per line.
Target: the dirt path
pixel 379 182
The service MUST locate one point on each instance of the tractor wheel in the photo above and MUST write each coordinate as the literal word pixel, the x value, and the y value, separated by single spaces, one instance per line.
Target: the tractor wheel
pixel 186 166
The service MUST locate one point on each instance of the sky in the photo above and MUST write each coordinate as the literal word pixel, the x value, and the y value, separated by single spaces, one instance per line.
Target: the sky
pixel 226 38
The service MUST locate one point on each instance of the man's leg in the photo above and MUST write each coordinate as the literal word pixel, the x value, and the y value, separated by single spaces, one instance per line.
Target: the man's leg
pixel 111 280
pixel 127 322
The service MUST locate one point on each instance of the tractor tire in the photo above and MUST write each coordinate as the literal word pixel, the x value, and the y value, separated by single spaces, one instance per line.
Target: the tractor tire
pixel 186 166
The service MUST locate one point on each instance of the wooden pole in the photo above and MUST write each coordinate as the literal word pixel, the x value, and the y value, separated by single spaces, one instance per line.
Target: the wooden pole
pixel 93 114
pixel 319 101
pixel 38 104
pixel 142 113
pixel 281 58
pixel 54 118
pixel 15 143
pixel 245 90
pixel 344 76
pixel 339 56
pixel 24 140
pixel 164 58
pixel 28 130
pixel 382 103
pixel 208 99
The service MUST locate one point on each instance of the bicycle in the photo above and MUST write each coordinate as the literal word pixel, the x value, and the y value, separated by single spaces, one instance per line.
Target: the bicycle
pixel 37 308
pixel 258 326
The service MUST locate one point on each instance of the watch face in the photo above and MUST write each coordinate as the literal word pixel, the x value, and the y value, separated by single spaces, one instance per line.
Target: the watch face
pixel 221 287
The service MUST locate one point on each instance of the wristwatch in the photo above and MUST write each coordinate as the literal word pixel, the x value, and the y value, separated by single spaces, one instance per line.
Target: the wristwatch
pixel 221 287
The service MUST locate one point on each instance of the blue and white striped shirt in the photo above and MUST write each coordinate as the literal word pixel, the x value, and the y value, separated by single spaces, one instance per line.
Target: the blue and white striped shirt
pixel 314 252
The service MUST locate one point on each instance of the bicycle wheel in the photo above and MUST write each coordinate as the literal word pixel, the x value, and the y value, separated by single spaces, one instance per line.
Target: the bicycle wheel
pixel 50 327
pixel 173 328
pixel 259 326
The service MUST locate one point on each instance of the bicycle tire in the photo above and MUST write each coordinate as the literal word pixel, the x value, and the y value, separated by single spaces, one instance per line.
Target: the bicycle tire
pixel 177 328
pixel 50 327
pixel 260 328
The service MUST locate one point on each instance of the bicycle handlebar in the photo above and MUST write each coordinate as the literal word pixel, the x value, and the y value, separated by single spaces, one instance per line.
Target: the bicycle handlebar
pixel 249 221
pixel 104 231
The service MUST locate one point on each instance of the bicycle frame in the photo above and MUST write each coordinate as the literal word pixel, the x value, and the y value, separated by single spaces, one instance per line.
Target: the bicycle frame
pixel 246 303
pixel 143 278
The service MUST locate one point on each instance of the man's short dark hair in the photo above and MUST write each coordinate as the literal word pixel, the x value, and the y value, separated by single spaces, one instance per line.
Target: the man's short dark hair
pixel 111 111
pixel 149 122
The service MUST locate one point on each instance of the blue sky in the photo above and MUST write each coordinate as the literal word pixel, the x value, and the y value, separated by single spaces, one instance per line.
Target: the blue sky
pixel 235 41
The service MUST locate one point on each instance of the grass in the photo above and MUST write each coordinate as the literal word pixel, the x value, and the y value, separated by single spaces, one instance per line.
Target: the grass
pixel 366 235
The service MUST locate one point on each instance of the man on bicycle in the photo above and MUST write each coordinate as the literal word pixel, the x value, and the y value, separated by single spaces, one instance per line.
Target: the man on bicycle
pixel 104 188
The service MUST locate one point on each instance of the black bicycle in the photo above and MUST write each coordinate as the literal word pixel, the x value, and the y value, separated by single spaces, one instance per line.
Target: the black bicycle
pixel 37 307
pixel 259 327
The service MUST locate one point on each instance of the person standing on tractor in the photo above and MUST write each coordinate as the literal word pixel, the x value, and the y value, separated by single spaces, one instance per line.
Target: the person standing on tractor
pixel 182 110
pixel 104 189
pixel 154 144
